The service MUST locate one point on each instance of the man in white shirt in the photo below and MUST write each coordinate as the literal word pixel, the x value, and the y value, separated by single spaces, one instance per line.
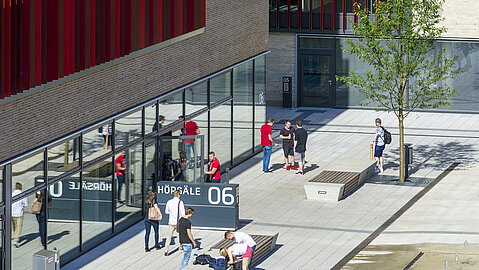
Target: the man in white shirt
pixel 17 214
pixel 173 207
pixel 241 238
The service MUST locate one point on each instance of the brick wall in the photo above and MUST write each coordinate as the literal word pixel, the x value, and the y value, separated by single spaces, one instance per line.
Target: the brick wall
pixel 235 30
pixel 280 63
pixel 461 18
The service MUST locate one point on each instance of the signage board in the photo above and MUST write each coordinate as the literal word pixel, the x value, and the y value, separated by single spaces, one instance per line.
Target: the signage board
pixel 215 205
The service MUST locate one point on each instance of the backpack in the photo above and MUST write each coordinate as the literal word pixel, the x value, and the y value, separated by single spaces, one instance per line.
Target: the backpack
pixel 219 263
pixel 387 136
pixel 203 259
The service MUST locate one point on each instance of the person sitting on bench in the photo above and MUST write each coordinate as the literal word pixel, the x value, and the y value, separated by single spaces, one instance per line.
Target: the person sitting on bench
pixel 238 250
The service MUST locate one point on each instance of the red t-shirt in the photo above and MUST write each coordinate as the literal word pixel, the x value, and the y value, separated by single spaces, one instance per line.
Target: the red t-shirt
pixel 265 131
pixel 190 129
pixel 216 164
pixel 120 160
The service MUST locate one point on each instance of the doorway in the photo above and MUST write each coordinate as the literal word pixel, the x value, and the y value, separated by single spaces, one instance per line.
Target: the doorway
pixel 316 80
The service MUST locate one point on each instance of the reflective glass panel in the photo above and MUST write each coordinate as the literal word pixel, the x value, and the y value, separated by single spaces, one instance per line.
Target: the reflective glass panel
pixel 63 157
pixel 128 128
pixel 220 87
pixel 171 107
pixel 243 111
pixel 202 122
pixel 220 134
pixel 97 191
pixel 1 185
pixel 150 119
pixel 26 231
pixel 150 168
pixel 28 172
pixel 97 142
pixel 196 97
pixel 64 217
pixel 128 209
pixel 259 99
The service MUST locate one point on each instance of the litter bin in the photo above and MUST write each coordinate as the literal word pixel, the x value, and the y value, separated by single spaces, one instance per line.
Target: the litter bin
pixel 287 92
pixel 46 260
pixel 408 157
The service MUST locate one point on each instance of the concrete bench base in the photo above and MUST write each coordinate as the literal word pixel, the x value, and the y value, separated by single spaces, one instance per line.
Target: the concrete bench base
pixel 333 192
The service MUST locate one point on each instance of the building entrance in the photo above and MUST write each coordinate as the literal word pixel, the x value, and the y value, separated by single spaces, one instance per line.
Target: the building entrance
pixel 316 80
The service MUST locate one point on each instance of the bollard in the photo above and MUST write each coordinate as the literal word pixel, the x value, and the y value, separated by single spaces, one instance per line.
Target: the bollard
pixel 371 155
pixel 408 158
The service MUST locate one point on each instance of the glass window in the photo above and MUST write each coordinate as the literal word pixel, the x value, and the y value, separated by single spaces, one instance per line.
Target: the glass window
pixel 97 191
pixel 273 5
pixel 64 217
pixel 220 87
pixel 220 134
pixel 196 98
pixel 128 128
pixel 28 172
pixel 150 119
pixel 1 187
pixel 320 43
pixel 243 111
pixel 202 122
pixel 150 167
pixel 97 142
pixel 259 99
pixel 63 157
pixel 28 231
pixel 171 108
pixel 129 203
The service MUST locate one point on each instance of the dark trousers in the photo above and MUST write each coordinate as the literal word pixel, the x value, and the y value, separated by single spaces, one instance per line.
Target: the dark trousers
pixel 121 180
pixel 41 227
pixel 148 224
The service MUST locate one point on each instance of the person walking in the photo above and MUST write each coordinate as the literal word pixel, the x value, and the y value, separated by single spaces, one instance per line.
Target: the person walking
pixel 175 209
pixel 152 220
pixel 37 207
pixel 300 138
pixel 191 128
pixel 120 172
pixel 287 134
pixel 187 240
pixel 17 214
pixel 214 170
pixel 378 140
pixel 267 143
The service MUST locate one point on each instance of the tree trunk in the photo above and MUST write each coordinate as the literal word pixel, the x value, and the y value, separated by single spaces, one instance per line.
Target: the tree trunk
pixel 401 146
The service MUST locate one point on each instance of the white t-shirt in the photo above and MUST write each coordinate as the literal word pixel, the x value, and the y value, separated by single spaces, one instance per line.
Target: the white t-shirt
pixel 380 137
pixel 243 238
pixel 239 249
pixel 17 207
pixel 172 210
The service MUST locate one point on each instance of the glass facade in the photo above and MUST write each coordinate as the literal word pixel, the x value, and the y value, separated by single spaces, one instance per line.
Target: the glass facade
pixel 93 183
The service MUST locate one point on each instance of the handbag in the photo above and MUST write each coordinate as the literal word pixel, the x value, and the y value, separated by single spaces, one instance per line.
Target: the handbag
pixel 153 214
pixel 36 207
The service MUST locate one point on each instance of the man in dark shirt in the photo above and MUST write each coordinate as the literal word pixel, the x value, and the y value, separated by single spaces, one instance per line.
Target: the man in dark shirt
pixel 159 124
pixel 186 238
pixel 300 138
pixel 287 134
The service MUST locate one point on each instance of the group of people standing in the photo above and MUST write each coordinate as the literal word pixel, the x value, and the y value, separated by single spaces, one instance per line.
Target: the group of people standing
pixel 294 145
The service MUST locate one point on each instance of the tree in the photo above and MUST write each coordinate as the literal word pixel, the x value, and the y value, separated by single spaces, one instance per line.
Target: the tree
pixel 408 73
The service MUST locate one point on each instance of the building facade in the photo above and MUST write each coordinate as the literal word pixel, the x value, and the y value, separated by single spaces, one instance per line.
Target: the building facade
pixel 306 41
pixel 84 82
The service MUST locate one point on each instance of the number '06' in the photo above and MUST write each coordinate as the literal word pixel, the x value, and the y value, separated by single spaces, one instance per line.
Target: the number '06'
pixel 220 196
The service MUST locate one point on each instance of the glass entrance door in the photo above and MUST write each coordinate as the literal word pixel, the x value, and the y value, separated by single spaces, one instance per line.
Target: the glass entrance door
pixel 316 81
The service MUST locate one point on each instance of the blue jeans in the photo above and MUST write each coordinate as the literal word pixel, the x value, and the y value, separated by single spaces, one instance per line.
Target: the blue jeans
pixel 121 180
pixel 148 224
pixel 41 226
pixel 266 156
pixel 186 254
pixel 190 148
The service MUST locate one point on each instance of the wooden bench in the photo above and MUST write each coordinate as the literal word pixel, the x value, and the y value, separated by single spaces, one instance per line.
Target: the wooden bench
pixel 264 244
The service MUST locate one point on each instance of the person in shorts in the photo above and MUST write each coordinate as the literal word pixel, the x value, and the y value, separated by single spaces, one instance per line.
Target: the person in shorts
pixel 300 138
pixel 378 140
pixel 287 134
pixel 238 250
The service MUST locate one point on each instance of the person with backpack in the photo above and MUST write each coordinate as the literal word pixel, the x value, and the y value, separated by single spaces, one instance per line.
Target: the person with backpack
pixel 380 138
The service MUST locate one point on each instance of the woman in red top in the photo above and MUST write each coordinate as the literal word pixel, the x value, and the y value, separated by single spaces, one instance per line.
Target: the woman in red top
pixel 214 168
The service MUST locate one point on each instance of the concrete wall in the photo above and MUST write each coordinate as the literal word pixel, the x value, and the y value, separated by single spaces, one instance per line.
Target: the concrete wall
pixel 280 62
pixel 461 18
pixel 235 30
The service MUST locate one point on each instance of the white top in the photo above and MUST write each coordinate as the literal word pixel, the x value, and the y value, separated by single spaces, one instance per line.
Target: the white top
pixel 380 137
pixel 239 249
pixel 244 238
pixel 172 210
pixel 17 208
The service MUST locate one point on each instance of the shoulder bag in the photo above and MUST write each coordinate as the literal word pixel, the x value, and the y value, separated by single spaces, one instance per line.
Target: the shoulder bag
pixel 36 207
pixel 153 214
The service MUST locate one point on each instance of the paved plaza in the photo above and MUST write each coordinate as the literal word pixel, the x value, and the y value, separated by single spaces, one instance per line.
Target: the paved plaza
pixel 317 235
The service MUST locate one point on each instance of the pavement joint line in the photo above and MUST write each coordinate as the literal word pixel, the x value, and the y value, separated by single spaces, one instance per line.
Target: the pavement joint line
pixel 393 218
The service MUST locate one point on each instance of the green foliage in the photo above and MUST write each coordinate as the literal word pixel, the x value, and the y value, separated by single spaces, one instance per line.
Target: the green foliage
pixel 399 43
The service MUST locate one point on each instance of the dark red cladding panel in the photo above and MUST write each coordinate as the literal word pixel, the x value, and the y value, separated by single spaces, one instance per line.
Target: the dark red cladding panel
pixel 44 40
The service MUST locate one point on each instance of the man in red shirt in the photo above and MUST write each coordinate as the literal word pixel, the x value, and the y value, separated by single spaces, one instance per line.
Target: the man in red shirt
pixel 191 128
pixel 120 172
pixel 267 143
pixel 214 168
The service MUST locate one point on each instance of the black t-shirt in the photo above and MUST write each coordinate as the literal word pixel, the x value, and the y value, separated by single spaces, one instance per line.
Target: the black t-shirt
pixel 285 132
pixel 183 225
pixel 301 136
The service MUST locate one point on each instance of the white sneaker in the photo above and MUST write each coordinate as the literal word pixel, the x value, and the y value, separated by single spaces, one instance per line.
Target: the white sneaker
pixel 381 170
